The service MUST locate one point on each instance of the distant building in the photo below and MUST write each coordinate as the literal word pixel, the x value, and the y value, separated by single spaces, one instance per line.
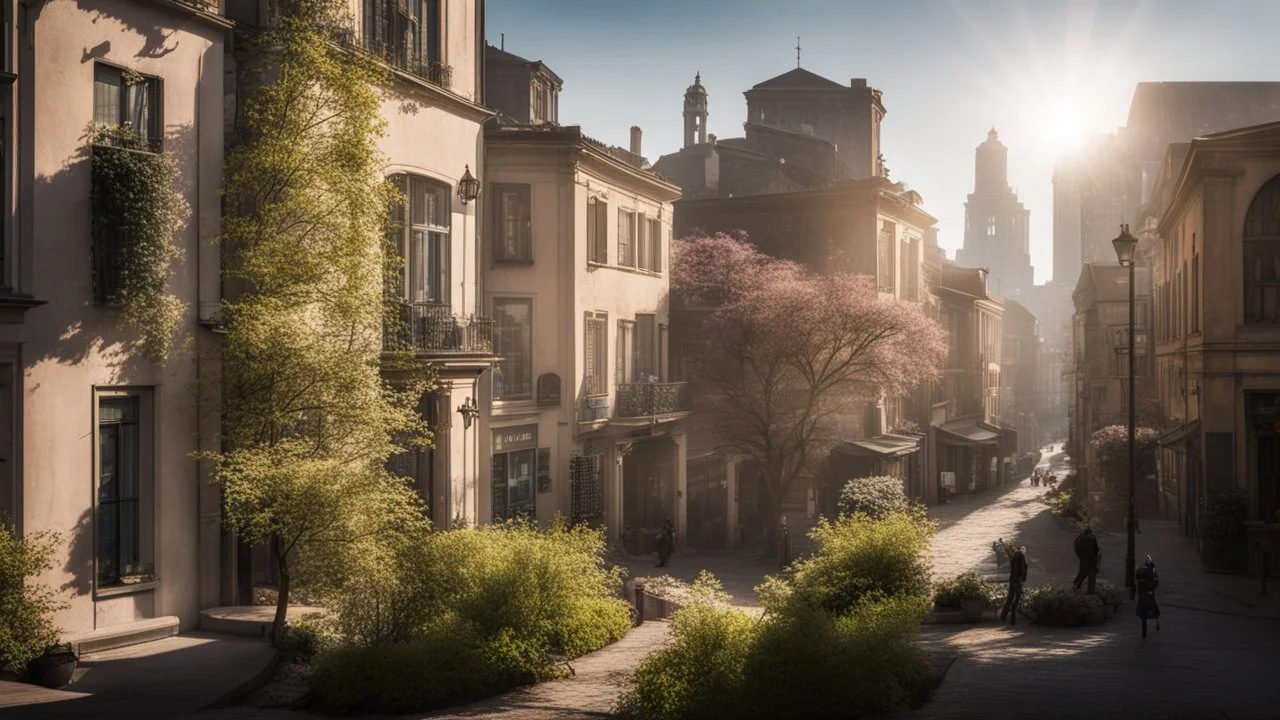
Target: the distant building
pixel 996 231
pixel 1020 357
pixel 524 92
pixel 1051 305
pixel 802 131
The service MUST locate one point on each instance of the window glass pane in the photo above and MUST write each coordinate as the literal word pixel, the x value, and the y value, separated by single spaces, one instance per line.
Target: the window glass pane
pixel 140 97
pixel 107 85
pixel 417 266
pixel 128 460
pixel 108 462
pixel 108 544
pixel 513 342
pixel 437 264
pixel 519 481
pixel 498 476
pixel 418 200
pixel 129 552
pixel 437 199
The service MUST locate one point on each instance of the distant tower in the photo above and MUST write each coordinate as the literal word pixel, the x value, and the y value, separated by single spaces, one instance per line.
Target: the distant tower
pixel 695 113
pixel 997 226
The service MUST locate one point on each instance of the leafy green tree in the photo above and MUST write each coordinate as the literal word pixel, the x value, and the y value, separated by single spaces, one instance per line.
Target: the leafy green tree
pixel 309 418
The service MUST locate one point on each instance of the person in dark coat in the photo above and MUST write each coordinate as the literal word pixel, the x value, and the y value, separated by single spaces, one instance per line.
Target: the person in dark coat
pixel 666 543
pixel 1146 578
pixel 1088 553
pixel 1017 578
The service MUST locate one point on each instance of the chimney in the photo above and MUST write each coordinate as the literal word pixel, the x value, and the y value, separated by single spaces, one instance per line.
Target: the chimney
pixel 635 140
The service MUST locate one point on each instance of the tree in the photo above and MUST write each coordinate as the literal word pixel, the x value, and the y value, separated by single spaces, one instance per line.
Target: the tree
pixel 790 353
pixel 1111 456
pixel 308 419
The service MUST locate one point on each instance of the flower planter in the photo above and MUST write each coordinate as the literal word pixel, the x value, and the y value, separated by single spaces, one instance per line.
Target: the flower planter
pixel 52 670
pixel 972 610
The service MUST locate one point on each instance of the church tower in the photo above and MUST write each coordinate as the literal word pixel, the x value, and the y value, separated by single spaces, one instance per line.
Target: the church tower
pixel 695 113
pixel 997 226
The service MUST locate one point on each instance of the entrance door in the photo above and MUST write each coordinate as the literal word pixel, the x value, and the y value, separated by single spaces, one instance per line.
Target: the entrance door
pixel 649 493
pixel 1267 461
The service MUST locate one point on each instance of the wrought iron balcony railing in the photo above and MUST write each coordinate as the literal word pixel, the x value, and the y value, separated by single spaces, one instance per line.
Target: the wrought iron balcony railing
pixel 646 399
pixel 433 328
pixel 397 55
pixel 213 7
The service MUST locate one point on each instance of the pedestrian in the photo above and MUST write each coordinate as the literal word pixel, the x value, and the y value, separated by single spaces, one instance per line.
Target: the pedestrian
pixel 666 543
pixel 1146 580
pixel 1090 557
pixel 1035 478
pixel 1017 578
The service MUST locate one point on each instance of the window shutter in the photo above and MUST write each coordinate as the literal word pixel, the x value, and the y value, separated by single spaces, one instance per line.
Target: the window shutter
pixel 657 245
pixel 590 220
pixel 602 231
pixel 588 351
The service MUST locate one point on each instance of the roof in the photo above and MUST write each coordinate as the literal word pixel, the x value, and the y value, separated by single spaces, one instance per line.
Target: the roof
pixel 1110 282
pixel 501 55
pixel 1253 136
pixel 881 446
pixel 969 430
pixel 798 79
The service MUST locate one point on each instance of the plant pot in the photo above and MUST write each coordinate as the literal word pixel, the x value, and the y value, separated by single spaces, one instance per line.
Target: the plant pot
pixel 52 670
pixel 972 610
pixel 1226 556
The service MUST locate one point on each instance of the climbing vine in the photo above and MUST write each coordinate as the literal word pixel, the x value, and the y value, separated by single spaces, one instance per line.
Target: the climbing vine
pixel 137 212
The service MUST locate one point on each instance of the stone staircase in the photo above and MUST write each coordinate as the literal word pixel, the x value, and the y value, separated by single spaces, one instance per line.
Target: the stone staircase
pixel 118 636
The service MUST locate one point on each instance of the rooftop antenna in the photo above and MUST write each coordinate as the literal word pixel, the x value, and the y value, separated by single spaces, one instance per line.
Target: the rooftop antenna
pixel 797 51
pixel 502 41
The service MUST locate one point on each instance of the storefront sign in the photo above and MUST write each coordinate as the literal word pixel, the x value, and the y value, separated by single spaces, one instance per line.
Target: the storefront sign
pixel 523 437
pixel 548 389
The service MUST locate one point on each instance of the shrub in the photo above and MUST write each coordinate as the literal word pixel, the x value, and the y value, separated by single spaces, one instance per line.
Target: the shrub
pixel 1225 513
pixel 701 674
pixel 446 663
pixel 1063 607
pixel 857 557
pixel 1066 503
pixel 872 496
pixel 809 663
pixel 511 598
pixel 966 586
pixel 26 629
pixel 1110 595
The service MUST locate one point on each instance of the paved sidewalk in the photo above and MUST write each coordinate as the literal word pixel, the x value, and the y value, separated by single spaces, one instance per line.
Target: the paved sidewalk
pixel 166 678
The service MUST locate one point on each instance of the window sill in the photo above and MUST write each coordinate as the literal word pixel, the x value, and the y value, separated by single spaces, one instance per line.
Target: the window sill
pixel 100 593
pixel 625 268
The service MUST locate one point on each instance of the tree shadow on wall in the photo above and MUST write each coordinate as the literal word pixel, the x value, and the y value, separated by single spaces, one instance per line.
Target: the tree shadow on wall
pixel 137 17
pixel 73 327
pixel 79 565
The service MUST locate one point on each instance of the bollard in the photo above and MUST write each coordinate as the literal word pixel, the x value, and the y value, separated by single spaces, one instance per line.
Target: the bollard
pixel 639 603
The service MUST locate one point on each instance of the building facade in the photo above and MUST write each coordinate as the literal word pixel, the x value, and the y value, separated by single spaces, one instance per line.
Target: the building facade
pixel 96 437
pixel 1020 400
pixel 584 422
pixel 1215 257
pixel 996 225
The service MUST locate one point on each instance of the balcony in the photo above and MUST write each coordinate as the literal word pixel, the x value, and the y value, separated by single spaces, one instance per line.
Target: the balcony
pixel 213 7
pixel 433 329
pixel 398 55
pixel 637 400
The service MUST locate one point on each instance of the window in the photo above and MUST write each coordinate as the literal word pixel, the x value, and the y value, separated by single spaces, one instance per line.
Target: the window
pixel 1262 255
pixel 626 238
pixel 513 342
pixel 911 270
pixel 623 357
pixel 1195 292
pixel 655 245
pixel 513 495
pixel 991 226
pixel 421 230
pixel 597 231
pixel 514 224
pixel 642 242
pixel 407 34
pixel 644 360
pixel 123 514
pixel 888 233
pixel 123 98
pixel 596 353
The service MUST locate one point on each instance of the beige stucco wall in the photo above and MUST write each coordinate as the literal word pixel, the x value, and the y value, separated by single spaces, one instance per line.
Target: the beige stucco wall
pixel 73 347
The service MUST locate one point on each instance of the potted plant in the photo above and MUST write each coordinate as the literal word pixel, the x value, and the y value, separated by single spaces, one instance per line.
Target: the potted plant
pixel 53 669
pixel 973 595
pixel 1225 537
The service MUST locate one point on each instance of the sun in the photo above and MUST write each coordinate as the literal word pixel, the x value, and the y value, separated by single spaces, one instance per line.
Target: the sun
pixel 1063 127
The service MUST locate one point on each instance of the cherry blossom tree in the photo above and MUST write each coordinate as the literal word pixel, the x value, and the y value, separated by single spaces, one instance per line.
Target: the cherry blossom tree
pixel 790 354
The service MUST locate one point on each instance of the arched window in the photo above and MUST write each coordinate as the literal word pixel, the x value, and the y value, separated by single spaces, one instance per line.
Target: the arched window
pixel 1262 255
pixel 420 228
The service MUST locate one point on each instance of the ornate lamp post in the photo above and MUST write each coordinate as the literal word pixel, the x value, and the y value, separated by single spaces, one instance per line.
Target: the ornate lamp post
pixel 1126 246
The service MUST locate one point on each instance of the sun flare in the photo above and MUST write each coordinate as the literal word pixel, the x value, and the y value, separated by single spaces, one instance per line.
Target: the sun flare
pixel 1063 127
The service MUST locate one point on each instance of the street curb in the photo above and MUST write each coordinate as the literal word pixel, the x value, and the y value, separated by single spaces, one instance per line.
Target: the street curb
pixel 238 694
pixel 1229 613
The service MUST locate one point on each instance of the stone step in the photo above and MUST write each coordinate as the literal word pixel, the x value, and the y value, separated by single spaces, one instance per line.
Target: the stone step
pixel 118 636
pixel 248 620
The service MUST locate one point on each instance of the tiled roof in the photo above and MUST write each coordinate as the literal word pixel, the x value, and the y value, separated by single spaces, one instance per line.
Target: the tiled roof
pixel 799 78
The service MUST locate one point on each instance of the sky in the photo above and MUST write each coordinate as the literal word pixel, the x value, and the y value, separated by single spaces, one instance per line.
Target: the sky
pixel 1044 73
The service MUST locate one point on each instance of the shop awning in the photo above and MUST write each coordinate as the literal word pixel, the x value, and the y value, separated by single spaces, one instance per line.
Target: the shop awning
pixel 881 446
pixel 1180 434
pixel 970 431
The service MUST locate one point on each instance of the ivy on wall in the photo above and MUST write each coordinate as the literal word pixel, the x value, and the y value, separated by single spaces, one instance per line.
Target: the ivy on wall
pixel 137 211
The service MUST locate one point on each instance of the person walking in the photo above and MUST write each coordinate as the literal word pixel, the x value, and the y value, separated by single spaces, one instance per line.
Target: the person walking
pixel 1090 557
pixel 1017 578
pixel 1146 578
pixel 666 543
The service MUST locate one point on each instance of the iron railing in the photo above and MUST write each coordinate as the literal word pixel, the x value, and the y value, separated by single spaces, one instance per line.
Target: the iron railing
pixel 433 328
pixel 646 399
pixel 398 55
pixel 213 7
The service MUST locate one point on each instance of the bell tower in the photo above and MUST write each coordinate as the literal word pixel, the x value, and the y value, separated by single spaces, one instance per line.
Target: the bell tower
pixel 695 113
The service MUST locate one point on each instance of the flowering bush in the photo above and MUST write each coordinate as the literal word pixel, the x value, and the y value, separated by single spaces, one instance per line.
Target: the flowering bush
pixel 872 496
pixel 1111 449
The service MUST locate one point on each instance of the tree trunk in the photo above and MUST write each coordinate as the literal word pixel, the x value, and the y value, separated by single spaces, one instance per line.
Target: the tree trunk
pixel 770 513
pixel 282 601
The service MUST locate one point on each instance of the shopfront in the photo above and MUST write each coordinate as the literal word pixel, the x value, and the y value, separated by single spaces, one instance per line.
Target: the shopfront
pixel 515 471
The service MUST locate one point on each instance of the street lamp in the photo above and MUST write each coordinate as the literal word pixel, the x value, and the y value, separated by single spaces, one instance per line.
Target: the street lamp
pixel 1126 245
pixel 468 186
